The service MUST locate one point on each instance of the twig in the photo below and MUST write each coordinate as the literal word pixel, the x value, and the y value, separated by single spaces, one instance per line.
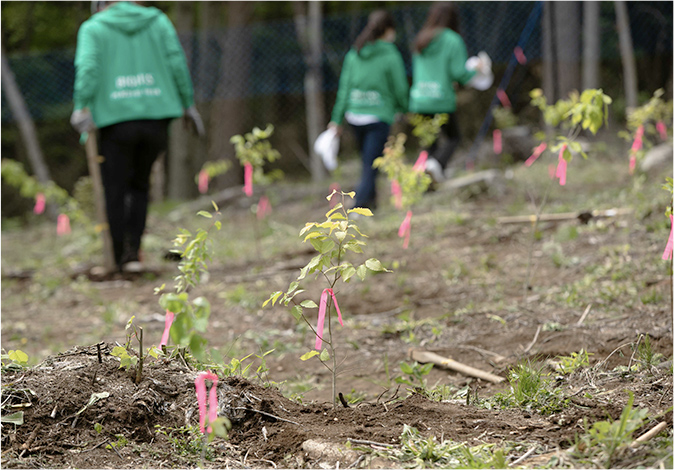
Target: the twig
pixel 105 441
pixel 531 345
pixel 649 435
pixel 599 364
pixel 582 317
pixel 266 414
pixel 636 348
pixel 98 350
pixel 524 457
pixel 112 446
pixel 369 443
pixel 26 445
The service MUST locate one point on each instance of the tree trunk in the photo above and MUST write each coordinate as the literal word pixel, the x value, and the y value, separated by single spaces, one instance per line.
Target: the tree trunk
pixel 310 33
pixel 180 183
pixel 229 114
pixel 25 124
pixel 567 40
pixel 549 55
pixel 627 54
pixel 591 45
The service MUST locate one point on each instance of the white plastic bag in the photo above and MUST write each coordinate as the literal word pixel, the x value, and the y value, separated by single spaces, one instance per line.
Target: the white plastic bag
pixel 484 77
pixel 327 147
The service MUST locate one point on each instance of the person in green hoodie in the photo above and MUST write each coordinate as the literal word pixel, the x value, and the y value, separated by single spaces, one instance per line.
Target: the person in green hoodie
pixel 438 62
pixel 373 87
pixel 131 79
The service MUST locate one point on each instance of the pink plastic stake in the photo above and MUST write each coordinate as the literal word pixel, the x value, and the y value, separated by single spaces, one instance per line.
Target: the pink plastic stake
pixel 636 145
pixel 537 153
pixel 168 321
pixel 334 200
pixel 248 179
pixel 40 203
pixel 263 208
pixel 62 225
pixel 503 98
pixel 670 243
pixel 397 194
pixel 322 308
pixel 519 55
pixel 200 385
pixel 405 229
pixel 498 143
pixel 420 164
pixel 561 167
pixel 203 181
pixel 662 129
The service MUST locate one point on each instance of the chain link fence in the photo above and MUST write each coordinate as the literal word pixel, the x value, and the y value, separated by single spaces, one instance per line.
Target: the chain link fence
pixel 263 65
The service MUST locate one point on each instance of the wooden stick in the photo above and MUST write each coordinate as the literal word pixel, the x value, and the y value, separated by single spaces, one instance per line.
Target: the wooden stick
pixel 582 318
pixel 583 215
pixel 533 341
pixel 649 435
pixel 426 356
pixel 99 199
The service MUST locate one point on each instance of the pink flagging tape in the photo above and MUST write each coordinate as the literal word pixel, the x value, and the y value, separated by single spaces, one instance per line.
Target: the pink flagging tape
pixel 168 321
pixel 561 167
pixel 503 98
pixel 667 254
pixel 633 163
pixel 322 309
pixel 662 130
pixel 638 142
pixel 498 143
pixel 248 179
pixel 203 181
pixel 420 164
pixel 538 151
pixel 405 229
pixel 62 225
pixel 263 208
pixel 40 203
pixel 200 384
pixel 397 194
pixel 519 55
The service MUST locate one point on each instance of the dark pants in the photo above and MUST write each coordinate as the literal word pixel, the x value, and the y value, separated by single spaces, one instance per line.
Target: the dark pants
pixel 371 140
pixel 129 149
pixel 447 142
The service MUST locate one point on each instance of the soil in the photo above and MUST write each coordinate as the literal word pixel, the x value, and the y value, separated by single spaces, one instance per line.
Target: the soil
pixel 458 291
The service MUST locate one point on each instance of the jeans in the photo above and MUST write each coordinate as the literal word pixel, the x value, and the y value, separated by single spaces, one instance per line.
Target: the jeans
pixel 451 134
pixel 129 149
pixel 371 139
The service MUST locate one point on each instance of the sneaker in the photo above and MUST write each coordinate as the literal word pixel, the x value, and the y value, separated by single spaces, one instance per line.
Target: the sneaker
pixel 434 169
pixel 133 267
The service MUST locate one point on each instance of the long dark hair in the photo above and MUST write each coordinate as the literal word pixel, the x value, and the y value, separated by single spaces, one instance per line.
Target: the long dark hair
pixel 377 23
pixel 441 15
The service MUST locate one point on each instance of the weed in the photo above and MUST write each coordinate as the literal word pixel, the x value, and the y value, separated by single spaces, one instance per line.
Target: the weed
pixel 645 354
pixel 531 389
pixel 186 440
pixel 14 359
pixel 120 443
pixel 569 364
pixel 415 374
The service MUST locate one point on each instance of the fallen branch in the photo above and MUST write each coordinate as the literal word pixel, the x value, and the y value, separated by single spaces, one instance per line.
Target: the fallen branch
pixel 533 341
pixel 583 216
pixel 426 356
pixel 649 435
pixel 582 318
pixel 369 443
pixel 266 414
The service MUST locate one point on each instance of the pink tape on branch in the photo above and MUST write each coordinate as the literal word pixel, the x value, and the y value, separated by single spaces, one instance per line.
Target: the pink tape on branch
pixel 334 200
pixel 200 385
pixel 670 243
pixel 322 309
pixel 203 181
pixel 498 143
pixel 420 164
pixel 62 225
pixel 538 151
pixel 561 167
pixel 263 208
pixel 168 321
pixel 633 163
pixel 636 145
pixel 405 229
pixel 397 194
pixel 519 55
pixel 248 179
pixel 662 130
pixel 40 203
pixel 503 98
pixel 552 169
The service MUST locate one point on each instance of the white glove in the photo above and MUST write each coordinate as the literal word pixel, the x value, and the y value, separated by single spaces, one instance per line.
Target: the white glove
pixel 192 114
pixel 484 77
pixel 82 121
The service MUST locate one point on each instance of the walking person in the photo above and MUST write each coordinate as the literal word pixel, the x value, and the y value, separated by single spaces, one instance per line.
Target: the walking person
pixel 438 63
pixel 131 80
pixel 373 87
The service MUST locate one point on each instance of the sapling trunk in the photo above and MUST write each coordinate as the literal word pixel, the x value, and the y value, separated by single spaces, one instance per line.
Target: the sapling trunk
pixel 139 369
pixel 539 211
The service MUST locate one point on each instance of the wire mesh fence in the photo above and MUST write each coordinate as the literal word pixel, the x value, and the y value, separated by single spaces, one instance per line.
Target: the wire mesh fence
pixel 263 65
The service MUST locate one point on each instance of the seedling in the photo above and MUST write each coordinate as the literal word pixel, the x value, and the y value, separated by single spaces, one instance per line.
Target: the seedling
pixel 427 128
pixel 415 374
pixel 333 239
pixel 570 364
pixel 531 388
pixel 127 357
pixel 14 359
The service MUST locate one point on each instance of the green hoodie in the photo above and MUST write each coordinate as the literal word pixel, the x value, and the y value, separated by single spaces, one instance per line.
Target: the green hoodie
pixel 372 82
pixel 434 72
pixel 129 65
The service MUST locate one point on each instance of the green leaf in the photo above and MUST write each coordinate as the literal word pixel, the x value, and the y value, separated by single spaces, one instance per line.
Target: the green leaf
pixel 348 272
pixel 325 356
pixel 218 224
pixel 327 245
pixel 309 304
pixel 333 210
pixel 311 235
pixel 361 210
pixel 215 206
pixel 374 264
pixel 362 272
pixel 18 356
pixel 296 312
pixel 118 351
pixel 208 215
pixel 406 368
pixel 309 355
pixel 16 418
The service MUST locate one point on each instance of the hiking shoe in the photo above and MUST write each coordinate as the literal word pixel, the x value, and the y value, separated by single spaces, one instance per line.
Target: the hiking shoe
pixel 435 170
pixel 133 267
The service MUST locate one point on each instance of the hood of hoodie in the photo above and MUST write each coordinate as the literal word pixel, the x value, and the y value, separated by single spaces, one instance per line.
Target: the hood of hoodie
pixel 378 47
pixel 127 17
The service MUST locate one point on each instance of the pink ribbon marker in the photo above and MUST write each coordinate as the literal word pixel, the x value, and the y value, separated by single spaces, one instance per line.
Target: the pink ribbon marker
pixel 670 243
pixel 498 143
pixel 420 164
pixel 263 208
pixel 200 384
pixel 662 129
pixel 62 225
pixel 248 179
pixel 633 163
pixel 537 153
pixel 40 203
pixel 561 167
pixel 203 181
pixel 397 194
pixel 322 308
pixel 636 145
pixel 168 321
pixel 405 229
pixel 334 200
pixel 519 55
pixel 503 98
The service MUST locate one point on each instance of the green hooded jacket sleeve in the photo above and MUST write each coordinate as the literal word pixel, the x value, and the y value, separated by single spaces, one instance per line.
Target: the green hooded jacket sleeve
pixel 87 76
pixel 177 62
